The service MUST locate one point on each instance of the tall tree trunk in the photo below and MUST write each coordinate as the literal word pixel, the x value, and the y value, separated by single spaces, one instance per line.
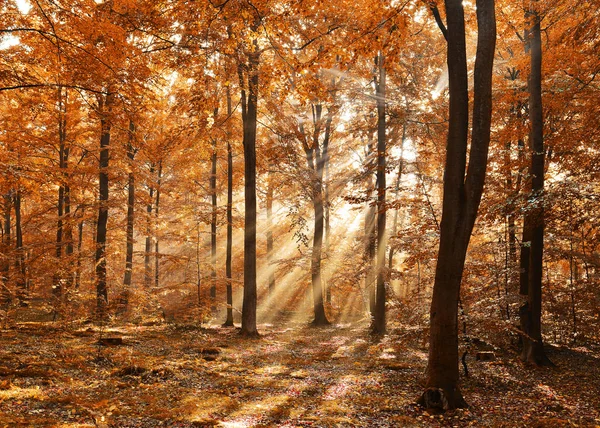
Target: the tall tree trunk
pixel 462 195
pixel 148 250
pixel 229 319
pixel 531 312
pixel 6 237
pixel 156 252
pixel 130 218
pixel 213 226
pixel 249 116
pixel 101 286
pixel 396 194
pixel 327 203
pixel 315 159
pixel 21 280
pixel 370 238
pixel 270 231
pixel 62 190
pixel 79 254
pixel 378 326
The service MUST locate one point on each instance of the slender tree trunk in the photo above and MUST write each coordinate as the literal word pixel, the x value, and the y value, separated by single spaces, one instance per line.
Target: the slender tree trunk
pixel 270 232
pixel 213 226
pixel 396 194
pixel 378 326
pixel 79 255
pixel 21 280
pixel 229 319
pixel 327 203
pixel 156 248
pixel 148 252
pixel 6 237
pixel 130 218
pixel 101 286
pixel 249 116
pixel 370 239
pixel 531 312
pixel 462 195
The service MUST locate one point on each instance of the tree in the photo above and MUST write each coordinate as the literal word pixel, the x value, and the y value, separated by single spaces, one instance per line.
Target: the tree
pixel 531 312
pixel 462 194
pixel 248 76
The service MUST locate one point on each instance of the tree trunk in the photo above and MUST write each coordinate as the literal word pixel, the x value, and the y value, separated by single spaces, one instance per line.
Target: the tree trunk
pixel 370 238
pixel 229 319
pixel 314 159
pixel 101 286
pixel 130 218
pixel 21 280
pixel 327 203
pixel 270 233
pixel 148 252
pixel 6 240
pixel 462 196
pixel 378 326
pixel 531 312
pixel 156 252
pixel 396 193
pixel 213 226
pixel 79 254
pixel 249 116
pixel 62 187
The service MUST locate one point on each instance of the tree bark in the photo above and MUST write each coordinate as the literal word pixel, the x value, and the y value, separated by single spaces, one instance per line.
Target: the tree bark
pixel 531 313
pixel 213 225
pixel 249 116
pixel 156 207
pixel 370 238
pixel 130 218
pixel 6 237
pixel 462 196
pixel 379 326
pixel 21 280
pixel 314 159
pixel 396 193
pixel 229 319
pixel 101 286
pixel 270 232
pixel 148 252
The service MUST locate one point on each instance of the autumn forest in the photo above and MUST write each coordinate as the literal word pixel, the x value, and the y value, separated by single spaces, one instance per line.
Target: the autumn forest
pixel 247 213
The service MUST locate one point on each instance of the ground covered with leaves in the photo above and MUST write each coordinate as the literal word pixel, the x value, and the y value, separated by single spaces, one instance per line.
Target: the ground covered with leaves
pixel 294 376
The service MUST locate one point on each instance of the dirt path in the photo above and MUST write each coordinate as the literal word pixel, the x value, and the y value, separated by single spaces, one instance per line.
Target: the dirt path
pixel 337 376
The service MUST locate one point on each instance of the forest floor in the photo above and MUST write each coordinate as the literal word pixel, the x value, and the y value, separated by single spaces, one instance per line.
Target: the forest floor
pixel 187 376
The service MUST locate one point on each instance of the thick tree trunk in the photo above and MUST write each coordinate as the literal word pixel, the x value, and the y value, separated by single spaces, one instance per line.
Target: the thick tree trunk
pixel 229 319
pixel 531 312
pixel 378 326
pixel 101 286
pixel 249 116
pixel 213 226
pixel 315 262
pixel 130 219
pixel 314 159
pixel 462 196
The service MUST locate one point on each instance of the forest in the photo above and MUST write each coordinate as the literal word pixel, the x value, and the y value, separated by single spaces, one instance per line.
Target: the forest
pixel 253 213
